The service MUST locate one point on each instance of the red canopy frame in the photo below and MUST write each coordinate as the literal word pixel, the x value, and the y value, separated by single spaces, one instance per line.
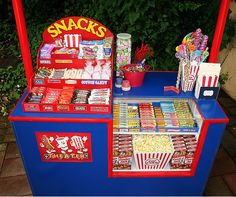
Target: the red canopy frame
pixel 25 50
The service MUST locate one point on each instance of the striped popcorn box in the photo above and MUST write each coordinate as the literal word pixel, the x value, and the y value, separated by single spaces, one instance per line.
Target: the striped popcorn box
pixel 152 152
pixel 72 40
pixel 152 161
pixel 189 76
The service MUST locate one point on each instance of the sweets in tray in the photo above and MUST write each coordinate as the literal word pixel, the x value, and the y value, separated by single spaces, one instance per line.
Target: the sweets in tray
pixel 152 152
pixel 67 99
pixel 74 74
pixel 126 118
pixel 163 116
pixel 72 46
pixel 100 69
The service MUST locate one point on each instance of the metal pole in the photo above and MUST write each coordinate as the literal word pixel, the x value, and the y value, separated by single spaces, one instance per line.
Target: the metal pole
pixel 23 39
pixel 219 30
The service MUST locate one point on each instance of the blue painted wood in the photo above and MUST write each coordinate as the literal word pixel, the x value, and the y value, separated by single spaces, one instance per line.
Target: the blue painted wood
pixel 92 178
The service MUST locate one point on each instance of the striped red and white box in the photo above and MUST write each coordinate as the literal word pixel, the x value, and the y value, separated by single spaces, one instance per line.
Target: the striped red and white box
pixel 188 81
pixel 72 40
pixel 152 161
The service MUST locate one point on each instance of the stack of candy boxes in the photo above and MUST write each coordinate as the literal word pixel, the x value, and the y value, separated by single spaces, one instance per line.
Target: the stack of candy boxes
pixel 75 76
pixel 185 148
pixel 126 118
pixel 161 116
pixel 122 152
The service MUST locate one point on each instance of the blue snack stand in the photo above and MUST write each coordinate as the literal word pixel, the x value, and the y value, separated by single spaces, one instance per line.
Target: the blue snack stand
pixel 95 177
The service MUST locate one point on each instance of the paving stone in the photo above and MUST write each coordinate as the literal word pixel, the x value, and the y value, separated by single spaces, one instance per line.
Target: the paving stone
pixel 3 125
pixel 2 154
pixel 228 143
pixel 9 130
pixel 222 93
pixel 15 186
pixel 234 158
pixel 230 179
pixel 3 146
pixel 232 130
pixel 12 167
pixel 12 151
pixel 226 102
pixel 232 111
pixel 223 164
pixel 232 121
pixel 217 187
pixel 2 136
pixel 9 138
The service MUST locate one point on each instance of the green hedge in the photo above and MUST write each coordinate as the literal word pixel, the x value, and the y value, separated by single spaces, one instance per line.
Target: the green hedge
pixel 160 23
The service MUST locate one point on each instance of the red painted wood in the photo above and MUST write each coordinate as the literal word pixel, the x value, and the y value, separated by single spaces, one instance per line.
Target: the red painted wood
pixel 219 30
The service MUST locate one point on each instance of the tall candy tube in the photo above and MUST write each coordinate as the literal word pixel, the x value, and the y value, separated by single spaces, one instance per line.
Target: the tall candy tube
pixel 123 50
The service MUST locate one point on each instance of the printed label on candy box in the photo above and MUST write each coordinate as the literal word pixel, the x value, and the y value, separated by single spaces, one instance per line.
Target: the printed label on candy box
pixel 54 81
pixel 64 147
pixel 31 107
pixel 47 108
pixel 80 108
pixel 63 108
pixel 63 61
pixel 45 62
pixel 99 109
pixel 39 81
pixel 94 82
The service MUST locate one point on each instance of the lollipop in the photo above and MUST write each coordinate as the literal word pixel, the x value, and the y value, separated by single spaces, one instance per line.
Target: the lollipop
pixel 203 43
pixel 197 37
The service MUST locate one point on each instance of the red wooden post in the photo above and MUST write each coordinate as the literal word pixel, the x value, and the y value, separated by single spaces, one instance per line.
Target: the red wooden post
pixel 219 30
pixel 23 39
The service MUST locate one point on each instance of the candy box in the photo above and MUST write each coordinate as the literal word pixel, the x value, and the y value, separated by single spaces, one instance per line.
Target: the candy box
pixel 115 162
pixel 124 163
pixel 178 159
pixel 189 159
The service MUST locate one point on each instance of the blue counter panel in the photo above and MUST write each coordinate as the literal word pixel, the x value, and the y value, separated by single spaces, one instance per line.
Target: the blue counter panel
pixel 51 178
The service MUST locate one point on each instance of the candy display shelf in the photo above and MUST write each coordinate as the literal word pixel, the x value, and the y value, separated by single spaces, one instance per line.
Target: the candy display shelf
pixel 179 121
pixel 74 70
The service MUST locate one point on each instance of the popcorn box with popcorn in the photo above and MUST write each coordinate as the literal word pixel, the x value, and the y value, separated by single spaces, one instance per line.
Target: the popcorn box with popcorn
pixel 152 152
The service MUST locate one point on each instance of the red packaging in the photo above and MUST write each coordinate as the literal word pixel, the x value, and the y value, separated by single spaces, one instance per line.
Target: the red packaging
pixel 125 163
pixel 178 142
pixel 179 146
pixel 177 160
pixel 189 159
pixel 191 142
